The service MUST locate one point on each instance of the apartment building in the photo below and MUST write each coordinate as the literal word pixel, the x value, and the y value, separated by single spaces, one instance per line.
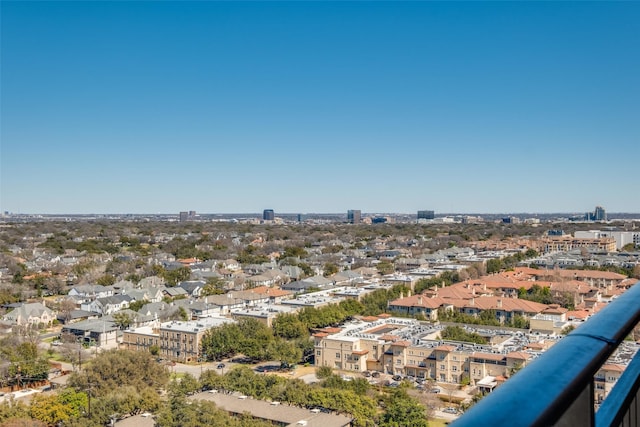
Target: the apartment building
pixel 569 243
pixel 393 346
pixel 605 379
pixel 177 340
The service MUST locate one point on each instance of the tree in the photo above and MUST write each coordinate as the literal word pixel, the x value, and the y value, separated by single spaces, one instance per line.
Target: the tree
pixel 294 252
pixel 120 368
pixel 494 265
pixel 182 314
pixel 65 307
pixel 286 352
pixel 184 385
pixel 122 320
pixel 222 341
pixel 289 326
pixel 106 280
pixel 329 269
pixel 456 333
pixel 54 409
pixel 403 411
pixel 385 267
pixel 214 286
pixel 137 305
pixel 324 372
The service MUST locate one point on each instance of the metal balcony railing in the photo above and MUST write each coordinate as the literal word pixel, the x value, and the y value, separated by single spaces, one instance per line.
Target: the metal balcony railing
pixel 557 389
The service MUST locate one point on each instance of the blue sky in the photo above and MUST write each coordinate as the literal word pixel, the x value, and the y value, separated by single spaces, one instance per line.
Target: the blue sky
pixel 147 107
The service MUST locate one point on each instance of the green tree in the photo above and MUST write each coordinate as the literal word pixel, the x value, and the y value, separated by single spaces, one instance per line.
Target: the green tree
pixel 214 286
pixel 330 269
pixel 288 353
pixel 324 372
pixel 185 385
pixel 137 305
pixel 456 333
pixel 119 368
pixel 494 265
pixel 289 326
pixel 122 320
pixel 294 252
pixel 222 342
pixel 385 267
pixel 403 411
pixel 55 409
pixel 106 280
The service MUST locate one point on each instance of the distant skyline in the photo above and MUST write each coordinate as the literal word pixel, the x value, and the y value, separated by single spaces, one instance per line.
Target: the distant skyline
pixel 225 107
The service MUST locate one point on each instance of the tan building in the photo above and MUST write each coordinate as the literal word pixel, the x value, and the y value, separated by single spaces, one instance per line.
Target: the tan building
pixel 375 345
pixel 605 379
pixel 569 243
pixel 140 339
pixel 178 341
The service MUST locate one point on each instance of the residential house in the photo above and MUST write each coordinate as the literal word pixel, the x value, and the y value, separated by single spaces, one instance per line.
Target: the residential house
pixel 108 305
pixel 90 292
pixel 175 292
pixel 192 287
pixel 31 314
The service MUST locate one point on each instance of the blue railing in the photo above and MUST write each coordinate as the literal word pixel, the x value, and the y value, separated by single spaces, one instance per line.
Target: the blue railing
pixel 557 388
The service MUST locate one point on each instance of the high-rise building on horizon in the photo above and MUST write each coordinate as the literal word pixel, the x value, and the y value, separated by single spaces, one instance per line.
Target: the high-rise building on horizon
pixel 354 216
pixel 599 214
pixel 186 216
pixel 268 215
pixel 426 215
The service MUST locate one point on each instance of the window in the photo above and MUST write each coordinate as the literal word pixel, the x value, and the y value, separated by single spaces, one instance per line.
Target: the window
pixel 454 369
pixel 442 367
pixel 398 361
pixel 337 355
pixel 318 353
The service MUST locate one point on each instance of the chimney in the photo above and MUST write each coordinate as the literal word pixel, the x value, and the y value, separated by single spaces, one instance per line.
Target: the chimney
pixel 499 302
pixel 420 300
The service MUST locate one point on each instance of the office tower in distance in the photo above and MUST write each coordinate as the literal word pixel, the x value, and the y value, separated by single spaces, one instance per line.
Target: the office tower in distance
pixel 187 216
pixel 268 215
pixel 426 215
pixel 599 214
pixel 354 216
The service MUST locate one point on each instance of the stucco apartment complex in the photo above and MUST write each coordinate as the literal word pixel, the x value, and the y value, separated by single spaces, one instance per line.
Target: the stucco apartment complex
pixel 568 243
pixel 406 347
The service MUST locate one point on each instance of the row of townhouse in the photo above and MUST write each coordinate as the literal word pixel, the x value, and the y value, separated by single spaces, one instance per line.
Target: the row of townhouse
pixel 569 243
pixel 410 348
pixel 377 349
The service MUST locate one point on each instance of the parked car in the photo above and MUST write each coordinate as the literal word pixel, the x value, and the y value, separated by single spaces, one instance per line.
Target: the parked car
pixel 221 366
pixel 450 410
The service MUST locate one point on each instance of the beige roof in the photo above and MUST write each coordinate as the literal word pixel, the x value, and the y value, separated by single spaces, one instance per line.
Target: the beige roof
pixel 281 413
